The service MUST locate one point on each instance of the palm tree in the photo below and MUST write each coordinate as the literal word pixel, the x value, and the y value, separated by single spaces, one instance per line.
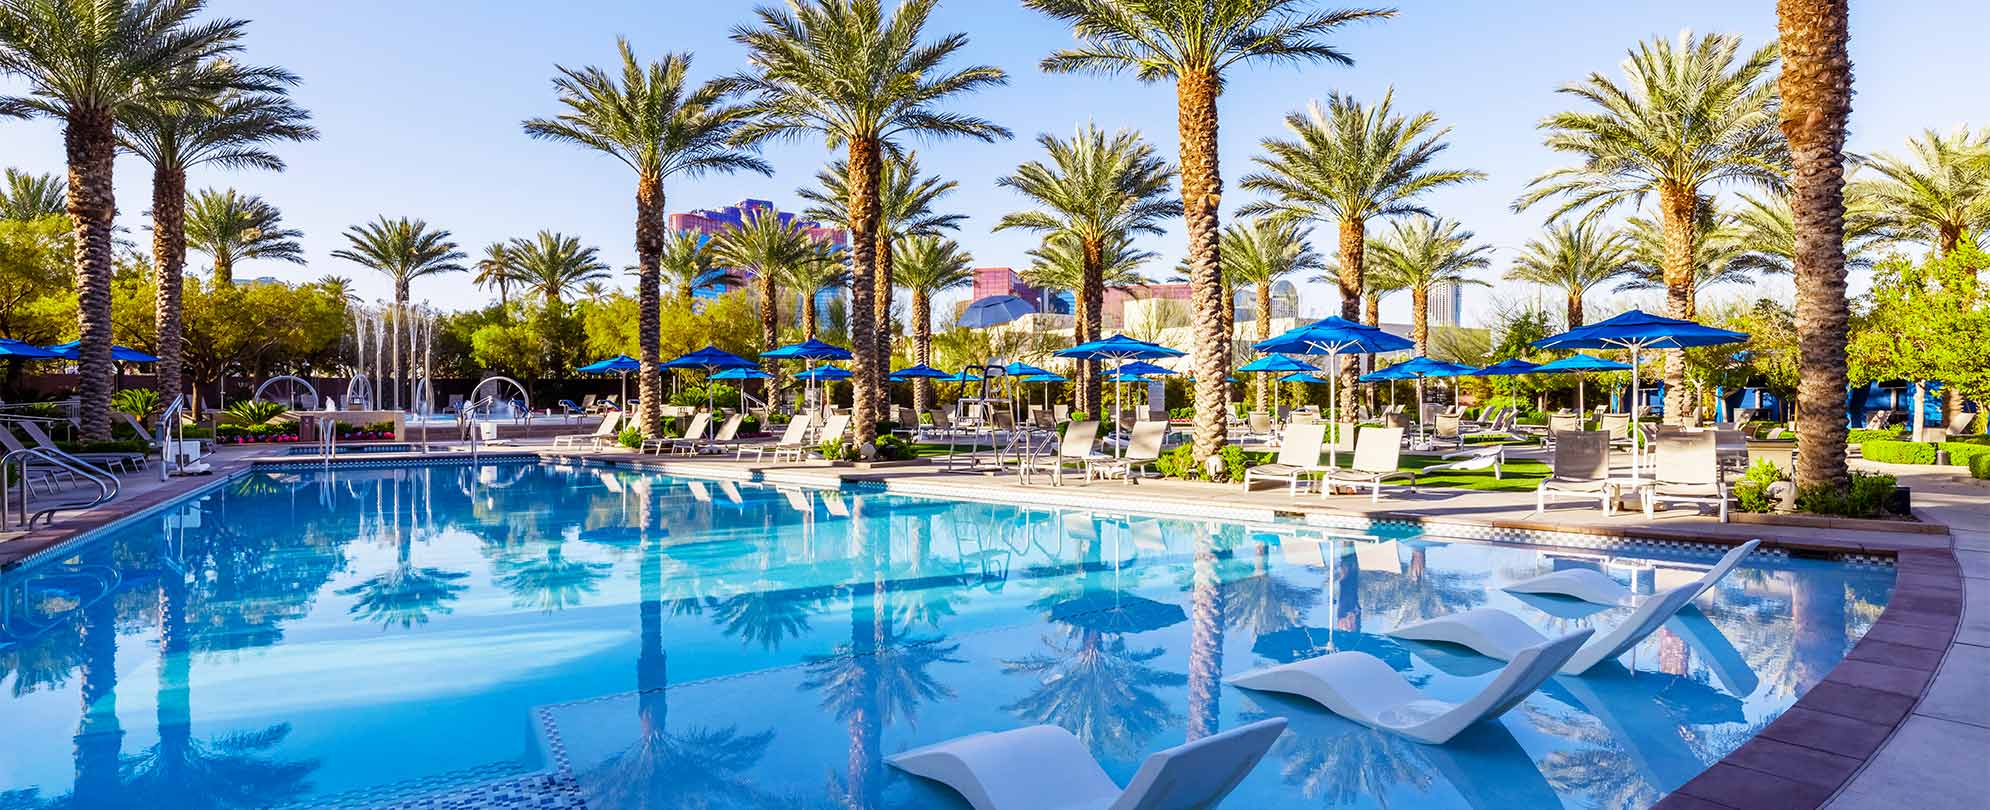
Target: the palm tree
pixel 1719 255
pixel 1262 252
pixel 654 122
pixel 820 269
pixel 230 130
pixel 496 270
pixel 1095 190
pixel 405 249
pixel 843 70
pixel 1424 253
pixel 763 247
pixel 555 264
pixel 905 208
pixel 1688 116
pixel 25 196
pixel 1193 42
pixel 687 256
pixel 1940 191
pixel 1572 258
pixel 1767 229
pixel 594 292
pixel 928 265
pixel 93 63
pixel 232 227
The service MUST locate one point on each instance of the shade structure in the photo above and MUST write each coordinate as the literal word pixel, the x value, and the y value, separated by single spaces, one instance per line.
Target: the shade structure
pixel 1305 377
pixel 1045 378
pixel 712 360
pixel 1419 367
pixel 1334 336
pixel 620 364
pixel 1021 369
pixel 962 376
pixel 1507 368
pixel 1146 369
pixel 1275 363
pixel 1637 331
pixel 918 372
pixel 742 374
pixel 810 349
pixel 125 354
pixel 1580 363
pixel 1127 377
pixel 1119 349
pixel 10 347
pixel 824 374
pixel 994 310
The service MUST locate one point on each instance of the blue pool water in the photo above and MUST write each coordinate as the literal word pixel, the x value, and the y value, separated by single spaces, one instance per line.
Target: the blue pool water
pixel 353 637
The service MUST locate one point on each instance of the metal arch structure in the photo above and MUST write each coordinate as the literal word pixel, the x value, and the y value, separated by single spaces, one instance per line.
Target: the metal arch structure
pixel 359 389
pixel 476 396
pixel 315 397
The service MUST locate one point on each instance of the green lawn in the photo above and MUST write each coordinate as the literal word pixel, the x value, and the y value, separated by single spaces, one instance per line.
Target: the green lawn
pixel 1518 475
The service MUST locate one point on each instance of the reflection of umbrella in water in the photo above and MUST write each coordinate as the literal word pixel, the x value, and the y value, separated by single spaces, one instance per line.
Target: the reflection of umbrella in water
pixel 1301 643
pixel 1113 611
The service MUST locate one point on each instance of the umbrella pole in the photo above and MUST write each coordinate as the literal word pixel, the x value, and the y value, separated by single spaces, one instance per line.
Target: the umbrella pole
pixel 1333 398
pixel 1636 434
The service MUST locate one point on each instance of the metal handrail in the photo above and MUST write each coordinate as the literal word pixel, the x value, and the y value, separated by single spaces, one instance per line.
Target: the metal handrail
pixel 108 487
pixel 469 413
pixel 328 437
pixel 168 420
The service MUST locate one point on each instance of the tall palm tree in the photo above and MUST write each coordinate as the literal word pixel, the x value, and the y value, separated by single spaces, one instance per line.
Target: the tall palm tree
pixel 405 249
pixel 1193 43
pixel 1939 191
pixel 762 248
pixel 844 70
pixel 92 63
pixel 927 265
pixel 1767 228
pixel 25 196
pixel 1720 256
pixel 1095 190
pixel 687 256
pixel 906 201
pixel 1688 116
pixel 231 227
pixel 555 264
pixel 1572 258
pixel 231 130
pixel 1261 253
pixel 821 268
pixel 496 269
pixel 1424 253
pixel 652 120
pixel 593 291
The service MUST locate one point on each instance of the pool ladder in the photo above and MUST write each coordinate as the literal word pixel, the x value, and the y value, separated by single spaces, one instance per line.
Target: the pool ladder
pixel 19 462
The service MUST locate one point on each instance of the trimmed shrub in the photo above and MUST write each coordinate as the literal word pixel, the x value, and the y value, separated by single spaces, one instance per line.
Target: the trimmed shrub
pixel 1979 467
pixel 1861 499
pixel 1861 436
pixel 1751 493
pixel 128 446
pixel 1964 454
pixel 1897 452
pixel 631 438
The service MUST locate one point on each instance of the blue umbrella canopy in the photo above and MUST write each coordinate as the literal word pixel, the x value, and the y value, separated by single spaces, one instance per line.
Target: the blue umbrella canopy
pixel 1146 369
pixel 1275 363
pixel 1022 369
pixel 68 351
pixel 1304 377
pixel 810 349
pixel 1126 377
pixel 1581 362
pixel 1119 347
pixel 1424 367
pixel 1507 368
pixel 961 377
pixel 918 372
pixel 1116 612
pixel 620 363
pixel 994 310
pixel 742 374
pixel 10 347
pixel 1334 335
pixel 824 374
pixel 1640 330
pixel 1045 377
pixel 710 358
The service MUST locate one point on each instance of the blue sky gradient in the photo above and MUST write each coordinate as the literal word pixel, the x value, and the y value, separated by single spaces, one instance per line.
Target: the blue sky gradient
pixel 420 105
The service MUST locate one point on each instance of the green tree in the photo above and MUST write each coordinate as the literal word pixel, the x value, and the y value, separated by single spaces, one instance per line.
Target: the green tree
pixel 687 256
pixel 846 71
pixel 1927 321
pixel 1939 192
pixel 91 64
pixel 25 196
pixel 1688 116
pixel 820 269
pixel 1094 191
pixel 404 249
pixel 233 227
pixel 544 341
pixel 765 247
pixel 928 265
pixel 653 121
pixel 1424 253
pixel 555 265
pixel 1572 258
pixel 1720 256
pixel 1766 228
pixel 36 284
pixel 1194 43
pixel 496 270
pixel 1261 253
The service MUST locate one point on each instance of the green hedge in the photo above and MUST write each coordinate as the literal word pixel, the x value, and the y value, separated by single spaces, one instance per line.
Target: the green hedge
pixel 1861 436
pixel 125 446
pixel 1965 454
pixel 1897 452
pixel 1979 467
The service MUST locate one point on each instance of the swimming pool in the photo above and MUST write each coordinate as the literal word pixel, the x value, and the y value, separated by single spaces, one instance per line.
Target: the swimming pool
pixel 350 637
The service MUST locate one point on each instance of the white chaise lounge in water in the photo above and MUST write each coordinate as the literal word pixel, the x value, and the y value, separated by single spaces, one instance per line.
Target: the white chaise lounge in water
pixel 1046 768
pixel 1495 633
pixel 1362 688
pixel 1591 585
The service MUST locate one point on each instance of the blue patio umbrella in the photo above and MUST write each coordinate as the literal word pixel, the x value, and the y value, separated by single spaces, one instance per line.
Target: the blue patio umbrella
pixel 1021 369
pixel 1127 377
pixel 810 349
pixel 1419 367
pixel 620 364
pixel 1119 349
pixel 70 351
pixel 1334 336
pixel 1305 377
pixel 1506 368
pixel 742 374
pixel 1636 331
pixel 1580 363
pixel 962 376
pixel 918 372
pixel 712 360
pixel 1276 364
pixel 825 374
pixel 1043 377
pixel 994 310
pixel 1146 369
pixel 10 347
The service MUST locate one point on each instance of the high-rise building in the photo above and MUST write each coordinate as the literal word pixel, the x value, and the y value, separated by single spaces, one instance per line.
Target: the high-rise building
pixel 712 222
pixel 1447 305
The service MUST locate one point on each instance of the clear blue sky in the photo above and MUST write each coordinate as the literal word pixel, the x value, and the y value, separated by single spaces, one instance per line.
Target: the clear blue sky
pixel 420 104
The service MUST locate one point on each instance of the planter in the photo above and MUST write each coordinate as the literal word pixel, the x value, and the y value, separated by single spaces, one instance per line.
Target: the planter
pixel 1827 522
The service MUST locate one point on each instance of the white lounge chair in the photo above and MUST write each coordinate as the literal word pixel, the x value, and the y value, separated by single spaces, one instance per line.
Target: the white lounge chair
pixel 1047 768
pixel 1687 470
pixel 1074 448
pixel 1591 585
pixel 1378 457
pixel 1142 449
pixel 1298 458
pixel 1582 467
pixel 790 439
pixel 1477 459
pixel 1360 687
pixel 693 433
pixel 605 430
pixel 1495 633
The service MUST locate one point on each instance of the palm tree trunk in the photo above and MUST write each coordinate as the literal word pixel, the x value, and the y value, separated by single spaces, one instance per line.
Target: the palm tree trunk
pixel 1574 316
pixel 504 293
pixel 1816 85
pixel 922 348
pixel 809 316
pixel 224 268
pixel 1202 194
pixel 1264 333
pixel 91 152
pixel 1092 306
pixel 169 257
pixel 649 248
pixel 1353 278
pixel 882 303
pixel 394 328
pixel 1205 657
pixel 1371 309
pixel 770 324
pixel 1677 208
pixel 866 169
pixel 1420 317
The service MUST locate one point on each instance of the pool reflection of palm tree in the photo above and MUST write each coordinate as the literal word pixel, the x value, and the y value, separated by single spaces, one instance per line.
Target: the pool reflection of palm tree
pixel 1263 602
pixel 405 594
pixel 1420 593
pixel 1096 686
pixel 549 582
pixel 99 738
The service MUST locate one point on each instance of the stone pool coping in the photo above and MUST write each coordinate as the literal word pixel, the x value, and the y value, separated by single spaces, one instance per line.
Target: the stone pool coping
pixel 1800 761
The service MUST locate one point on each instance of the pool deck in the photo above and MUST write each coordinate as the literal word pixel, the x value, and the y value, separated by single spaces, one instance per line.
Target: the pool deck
pixel 1904 720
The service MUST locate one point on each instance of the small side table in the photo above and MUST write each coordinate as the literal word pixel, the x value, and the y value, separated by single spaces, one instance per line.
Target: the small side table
pixel 1639 486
